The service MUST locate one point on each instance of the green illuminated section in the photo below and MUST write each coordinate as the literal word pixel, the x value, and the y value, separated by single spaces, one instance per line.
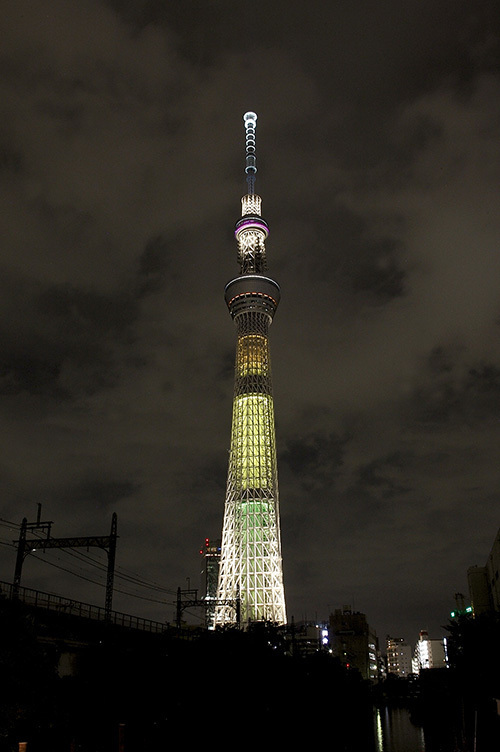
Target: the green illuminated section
pixel 257 526
pixel 255 521
pixel 252 443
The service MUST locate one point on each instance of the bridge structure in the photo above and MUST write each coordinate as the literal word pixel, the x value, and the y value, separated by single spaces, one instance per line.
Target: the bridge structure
pixel 58 605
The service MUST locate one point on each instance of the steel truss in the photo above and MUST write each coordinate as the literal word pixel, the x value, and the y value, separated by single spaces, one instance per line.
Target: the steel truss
pixel 251 564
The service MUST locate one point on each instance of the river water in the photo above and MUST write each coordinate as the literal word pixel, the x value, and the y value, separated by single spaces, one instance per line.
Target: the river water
pixel 394 731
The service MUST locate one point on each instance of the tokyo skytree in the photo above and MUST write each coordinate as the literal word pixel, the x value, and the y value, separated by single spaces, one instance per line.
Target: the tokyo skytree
pixel 250 584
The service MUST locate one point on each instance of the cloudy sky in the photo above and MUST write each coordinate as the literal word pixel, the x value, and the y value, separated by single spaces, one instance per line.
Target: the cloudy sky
pixel 121 172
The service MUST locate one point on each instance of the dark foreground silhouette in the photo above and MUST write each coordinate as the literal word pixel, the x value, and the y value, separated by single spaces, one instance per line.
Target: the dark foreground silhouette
pixel 136 692
pixel 131 692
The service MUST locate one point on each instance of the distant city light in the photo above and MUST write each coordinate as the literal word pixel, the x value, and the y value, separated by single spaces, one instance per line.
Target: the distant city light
pixel 467 610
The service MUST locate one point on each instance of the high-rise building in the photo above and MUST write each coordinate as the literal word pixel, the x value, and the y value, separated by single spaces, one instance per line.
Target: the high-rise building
pixel 480 590
pixel 250 571
pixel 429 653
pixel 484 582
pixel 399 656
pixel 354 642
pixel 210 574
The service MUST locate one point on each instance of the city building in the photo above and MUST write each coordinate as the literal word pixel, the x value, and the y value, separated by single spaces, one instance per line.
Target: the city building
pixel 354 642
pixel 209 577
pixel 399 656
pixel 484 585
pixel 306 639
pixel 429 653
pixel 250 586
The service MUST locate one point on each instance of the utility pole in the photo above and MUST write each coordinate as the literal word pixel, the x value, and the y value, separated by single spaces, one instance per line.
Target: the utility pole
pixel 26 546
pixel 189 599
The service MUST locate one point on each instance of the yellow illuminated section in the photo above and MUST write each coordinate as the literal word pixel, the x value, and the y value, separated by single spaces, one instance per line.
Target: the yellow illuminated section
pixel 253 441
pixel 251 356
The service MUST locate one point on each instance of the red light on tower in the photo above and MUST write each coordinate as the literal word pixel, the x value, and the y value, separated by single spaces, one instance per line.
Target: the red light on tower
pixel 207 544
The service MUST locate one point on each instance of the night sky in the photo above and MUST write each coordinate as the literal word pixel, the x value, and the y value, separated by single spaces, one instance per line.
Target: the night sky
pixel 121 172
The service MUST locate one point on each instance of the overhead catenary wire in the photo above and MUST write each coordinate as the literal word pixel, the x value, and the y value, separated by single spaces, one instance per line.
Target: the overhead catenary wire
pixel 120 572
pixel 100 584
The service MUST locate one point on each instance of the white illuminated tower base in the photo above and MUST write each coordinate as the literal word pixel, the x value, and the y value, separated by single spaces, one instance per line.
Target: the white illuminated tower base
pixel 250 573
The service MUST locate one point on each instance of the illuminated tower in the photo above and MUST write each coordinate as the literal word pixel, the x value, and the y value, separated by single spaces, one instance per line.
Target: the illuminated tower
pixel 250 566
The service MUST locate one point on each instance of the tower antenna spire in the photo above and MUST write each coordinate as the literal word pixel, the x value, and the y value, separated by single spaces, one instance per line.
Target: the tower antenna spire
pixel 251 230
pixel 250 119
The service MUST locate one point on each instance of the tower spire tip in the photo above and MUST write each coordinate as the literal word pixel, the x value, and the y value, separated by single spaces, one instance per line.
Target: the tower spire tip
pixel 250 120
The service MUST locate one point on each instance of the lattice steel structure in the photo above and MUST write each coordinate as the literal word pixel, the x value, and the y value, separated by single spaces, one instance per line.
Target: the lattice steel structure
pixel 250 570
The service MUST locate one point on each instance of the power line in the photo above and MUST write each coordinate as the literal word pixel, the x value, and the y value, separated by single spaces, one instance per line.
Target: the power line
pixel 99 584
pixel 132 577
pixel 121 572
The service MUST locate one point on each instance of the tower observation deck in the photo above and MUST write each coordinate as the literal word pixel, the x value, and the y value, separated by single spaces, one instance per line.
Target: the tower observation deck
pixel 251 565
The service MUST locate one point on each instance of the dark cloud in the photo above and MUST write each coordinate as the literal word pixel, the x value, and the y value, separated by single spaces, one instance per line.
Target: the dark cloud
pixel 19 373
pixel 315 459
pixel 379 476
pixel 105 494
pixel 155 266
pixel 66 348
pixel 454 392
pixel 379 273
pixel 86 313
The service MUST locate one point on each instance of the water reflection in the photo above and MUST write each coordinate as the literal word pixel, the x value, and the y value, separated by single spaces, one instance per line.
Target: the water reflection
pixel 394 731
